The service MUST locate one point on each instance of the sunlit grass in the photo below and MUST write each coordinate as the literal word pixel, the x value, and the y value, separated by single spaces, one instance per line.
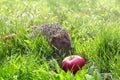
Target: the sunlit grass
pixel 94 27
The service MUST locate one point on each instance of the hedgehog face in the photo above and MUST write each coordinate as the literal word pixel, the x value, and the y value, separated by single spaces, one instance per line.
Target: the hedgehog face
pixel 61 41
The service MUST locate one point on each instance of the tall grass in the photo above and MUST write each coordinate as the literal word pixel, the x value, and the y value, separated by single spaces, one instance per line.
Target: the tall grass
pixel 94 27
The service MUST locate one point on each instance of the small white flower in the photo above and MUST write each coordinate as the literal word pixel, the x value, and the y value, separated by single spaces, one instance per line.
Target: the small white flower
pixel 15 76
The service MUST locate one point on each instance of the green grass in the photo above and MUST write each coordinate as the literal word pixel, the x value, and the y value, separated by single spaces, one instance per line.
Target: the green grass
pixel 94 27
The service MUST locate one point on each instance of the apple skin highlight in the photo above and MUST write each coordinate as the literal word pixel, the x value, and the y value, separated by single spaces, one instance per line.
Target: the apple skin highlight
pixel 73 63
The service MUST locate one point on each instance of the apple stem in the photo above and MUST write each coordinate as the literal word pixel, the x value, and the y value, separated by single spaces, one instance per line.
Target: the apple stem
pixel 70 57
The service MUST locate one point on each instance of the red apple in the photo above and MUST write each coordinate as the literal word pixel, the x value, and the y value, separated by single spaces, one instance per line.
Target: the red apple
pixel 73 63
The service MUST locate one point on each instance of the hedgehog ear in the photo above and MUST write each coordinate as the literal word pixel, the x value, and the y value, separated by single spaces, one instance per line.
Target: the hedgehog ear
pixel 53 38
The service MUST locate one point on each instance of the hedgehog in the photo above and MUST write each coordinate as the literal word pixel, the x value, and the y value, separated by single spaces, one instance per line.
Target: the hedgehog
pixel 57 37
